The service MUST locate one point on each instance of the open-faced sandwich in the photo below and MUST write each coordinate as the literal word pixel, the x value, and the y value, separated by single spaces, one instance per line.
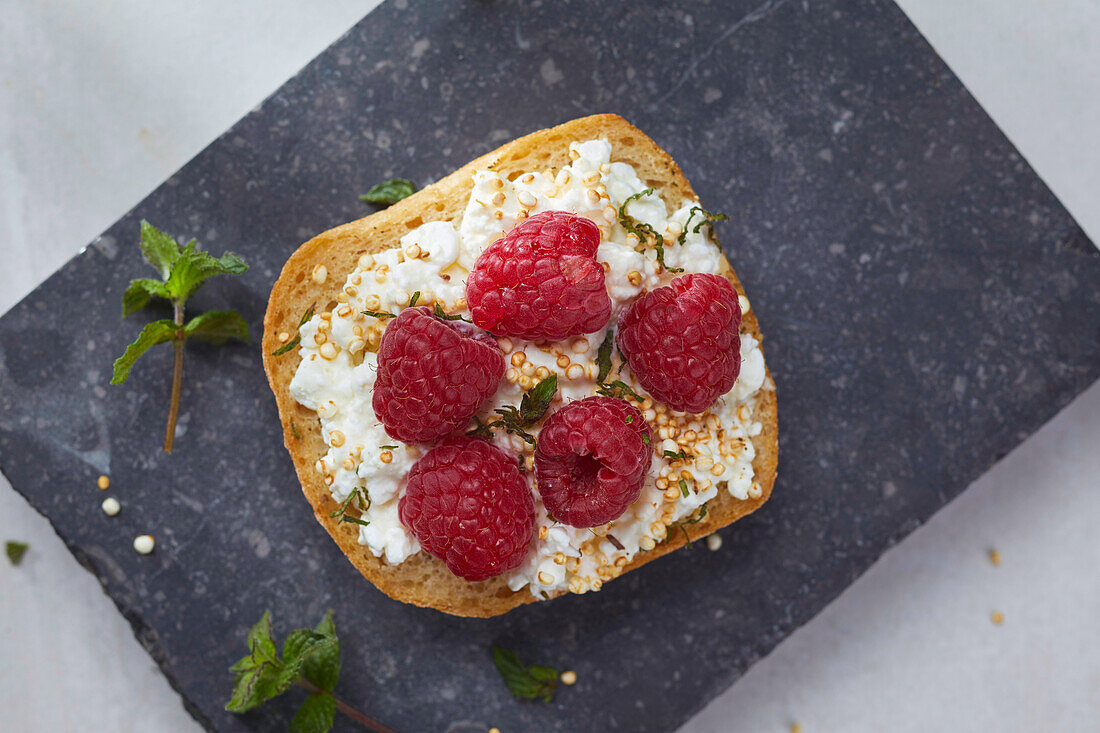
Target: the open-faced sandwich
pixel 526 379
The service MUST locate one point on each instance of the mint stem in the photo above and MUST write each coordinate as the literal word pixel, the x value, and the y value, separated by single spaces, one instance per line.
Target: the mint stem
pixel 177 379
pixel 364 720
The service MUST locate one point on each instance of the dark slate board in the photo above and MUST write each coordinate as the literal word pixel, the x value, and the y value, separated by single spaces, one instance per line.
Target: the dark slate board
pixel 927 305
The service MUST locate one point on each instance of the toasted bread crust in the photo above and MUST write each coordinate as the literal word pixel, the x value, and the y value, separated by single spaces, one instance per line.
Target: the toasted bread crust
pixel 423 580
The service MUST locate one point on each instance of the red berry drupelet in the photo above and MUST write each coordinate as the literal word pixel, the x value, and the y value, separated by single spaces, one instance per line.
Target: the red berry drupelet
pixel 591 460
pixel 682 341
pixel 433 375
pixel 541 280
pixel 468 504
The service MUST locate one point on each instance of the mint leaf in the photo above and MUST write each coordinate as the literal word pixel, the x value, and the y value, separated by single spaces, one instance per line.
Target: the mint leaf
pixel 299 646
pixel 257 673
pixel 154 333
pixel 217 327
pixel 526 683
pixel 532 407
pixel 260 644
pixel 322 667
pixel 194 267
pixel 316 715
pixel 389 192
pixel 440 313
pixel 138 293
pixel 619 389
pixel 415 297
pixel 683 455
pixel 684 488
pixel 16 551
pixel 252 687
pixel 603 356
pixel 160 249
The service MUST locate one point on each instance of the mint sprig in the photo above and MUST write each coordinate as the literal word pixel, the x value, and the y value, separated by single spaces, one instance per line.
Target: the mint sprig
pixel 389 192
pixel 16 551
pixel 182 271
pixel 311 660
pixel 527 682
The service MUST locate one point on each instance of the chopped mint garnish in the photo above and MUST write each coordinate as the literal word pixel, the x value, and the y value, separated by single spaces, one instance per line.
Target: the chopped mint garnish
pixel 297 336
pixel 603 356
pixel 531 409
pixel 16 551
pixel 644 232
pixel 708 219
pixel 362 502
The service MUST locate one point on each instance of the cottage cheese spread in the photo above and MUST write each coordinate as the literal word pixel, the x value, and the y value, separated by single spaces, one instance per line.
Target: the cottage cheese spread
pixel 338 367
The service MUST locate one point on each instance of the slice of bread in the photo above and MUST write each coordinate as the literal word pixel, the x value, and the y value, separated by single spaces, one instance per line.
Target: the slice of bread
pixel 423 580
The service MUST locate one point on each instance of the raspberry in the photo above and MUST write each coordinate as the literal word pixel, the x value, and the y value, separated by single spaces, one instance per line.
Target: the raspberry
pixel 541 280
pixel 433 375
pixel 468 504
pixel 591 460
pixel 682 341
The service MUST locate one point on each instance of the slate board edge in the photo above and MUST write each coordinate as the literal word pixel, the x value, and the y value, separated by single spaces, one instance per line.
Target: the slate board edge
pixel 143 633
pixel 147 637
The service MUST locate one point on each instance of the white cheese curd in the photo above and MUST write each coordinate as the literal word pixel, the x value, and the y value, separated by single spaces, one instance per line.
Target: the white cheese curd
pixel 338 368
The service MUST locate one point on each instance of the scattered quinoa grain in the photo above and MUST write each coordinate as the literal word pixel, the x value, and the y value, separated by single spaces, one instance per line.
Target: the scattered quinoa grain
pixel 714 542
pixel 103 483
pixel 569 677
pixel 144 544
pixel 320 274
pixel 995 557
pixel 110 506
pixel 385 456
pixel 997 618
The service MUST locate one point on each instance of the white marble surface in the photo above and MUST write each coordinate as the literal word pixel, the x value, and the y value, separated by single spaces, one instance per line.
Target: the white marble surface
pixel 101 101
